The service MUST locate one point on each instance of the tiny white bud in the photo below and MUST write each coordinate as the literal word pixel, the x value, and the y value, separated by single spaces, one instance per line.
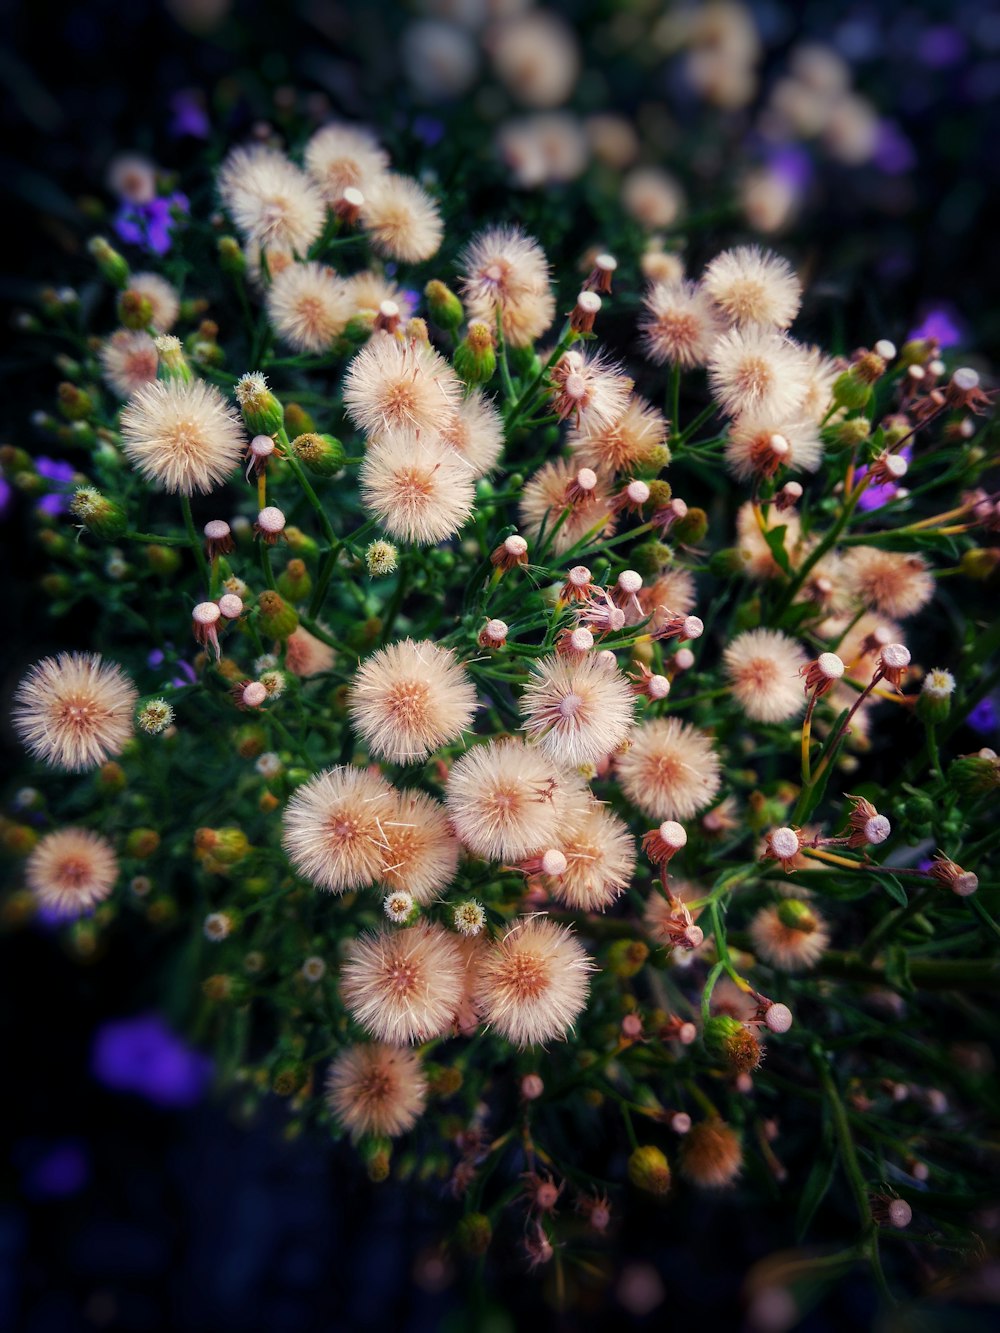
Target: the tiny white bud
pixel 885 349
pixel 965 379
pixel 553 862
pixel 629 581
pixel 877 829
pixel 271 520
pixel 231 606
pixel 206 613
pixel 673 834
pixel 693 627
pixel 900 1213
pixel 684 659
pixel 680 1122
pixel 658 687
pixel 262 446
pixel 778 1018
pixel 895 656
pixel 830 665
pixel 254 694
pixel 785 843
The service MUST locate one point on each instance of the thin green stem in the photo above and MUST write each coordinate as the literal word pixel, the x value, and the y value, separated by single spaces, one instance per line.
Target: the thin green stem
pixel 194 541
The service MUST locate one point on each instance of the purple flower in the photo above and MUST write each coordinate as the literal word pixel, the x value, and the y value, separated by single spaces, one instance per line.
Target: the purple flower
pixel 984 718
pixel 54 1170
pixel 874 497
pixel 149 226
pixel 5 494
pixel 155 657
pixel 940 46
pixel 940 326
pixel 143 1056
pixel 186 674
pixel 428 129
pixel 60 476
pixel 791 164
pixel 190 118
pixel 894 154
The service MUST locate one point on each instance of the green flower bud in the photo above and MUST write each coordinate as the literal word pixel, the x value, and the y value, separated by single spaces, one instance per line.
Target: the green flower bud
pixel 727 1039
pixel 277 619
pixel 135 310
pixel 626 958
pixel 980 563
pixel 444 306
pixel 301 543
pixel 173 364
pixel 974 775
pixel 660 493
pixel 934 700
pixel 225 845
pixel 103 517
pixel 323 455
pixel 288 1077
pixel 113 267
pixel 848 434
pixel 726 562
pixel 649 1170
pixel 797 915
pixel 262 412
pixel 294 582
pixel 691 529
pixel 74 403
pixel 142 842
pixel 297 420
pixel 850 391
pixel 377 1157
pixel 163 560
pixel 474 1234
pixel 154 716
pixel 657 459
pixel 475 356
pixel 111 777
pixel 232 260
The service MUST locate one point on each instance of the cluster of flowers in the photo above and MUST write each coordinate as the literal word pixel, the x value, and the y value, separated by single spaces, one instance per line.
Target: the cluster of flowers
pixel 501 700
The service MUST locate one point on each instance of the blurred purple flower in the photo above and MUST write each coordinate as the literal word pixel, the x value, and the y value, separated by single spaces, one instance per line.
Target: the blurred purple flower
pixel 894 154
pixel 428 129
pixel 190 119
pixel 874 497
pixel 941 46
pixel 149 226
pixel 143 1056
pixel 984 718
pixel 939 325
pixel 155 657
pixel 792 164
pixel 60 476
pixel 186 674
pixel 5 494
pixel 54 1170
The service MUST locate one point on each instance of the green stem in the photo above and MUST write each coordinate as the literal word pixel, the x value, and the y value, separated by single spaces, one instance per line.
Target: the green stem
pixel 194 541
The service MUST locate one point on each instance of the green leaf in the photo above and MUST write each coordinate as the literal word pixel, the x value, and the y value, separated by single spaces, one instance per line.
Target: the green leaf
pixel 820 1179
pixel 775 538
pixel 897 969
pixel 894 889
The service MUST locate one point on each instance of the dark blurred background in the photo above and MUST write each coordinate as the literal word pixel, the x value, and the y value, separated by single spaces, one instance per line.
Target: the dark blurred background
pixel 132 1196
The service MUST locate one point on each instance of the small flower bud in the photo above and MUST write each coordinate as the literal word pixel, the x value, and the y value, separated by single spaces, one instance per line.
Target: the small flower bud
pixel 262 412
pixel 664 842
pixel 154 716
pixel 270 525
pixel 443 305
pixel 797 915
pixel 789 496
pixel 381 558
pixel 172 363
pixel 583 314
pixel 626 958
pixel 232 260
pixel 474 1234
pixel 103 517
pixel 475 357
pixel 493 634
pixel 778 1018
pixel 822 674
pixel 934 700
pixel 468 917
pixel 218 538
pixel 111 264
pixel 513 550
pixel 322 455
pixel 728 1039
pixel 600 276
pixel 398 906
pixel 277 619
pixel 532 1087
pixel 205 618
pixel 963 883
pixel 893 661
pixel 850 390
pixel 294 582
pixel 313 969
pixel 649 1170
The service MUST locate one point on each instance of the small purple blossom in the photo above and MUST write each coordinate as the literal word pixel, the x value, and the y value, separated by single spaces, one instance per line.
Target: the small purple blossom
pixel 792 165
pixel 428 129
pixel 150 226
pixel 941 46
pixel 54 1170
pixel 874 497
pixel 60 476
pixel 940 326
pixel 190 119
pixel 984 718
pixel 5 495
pixel 894 154
pixel 142 1055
